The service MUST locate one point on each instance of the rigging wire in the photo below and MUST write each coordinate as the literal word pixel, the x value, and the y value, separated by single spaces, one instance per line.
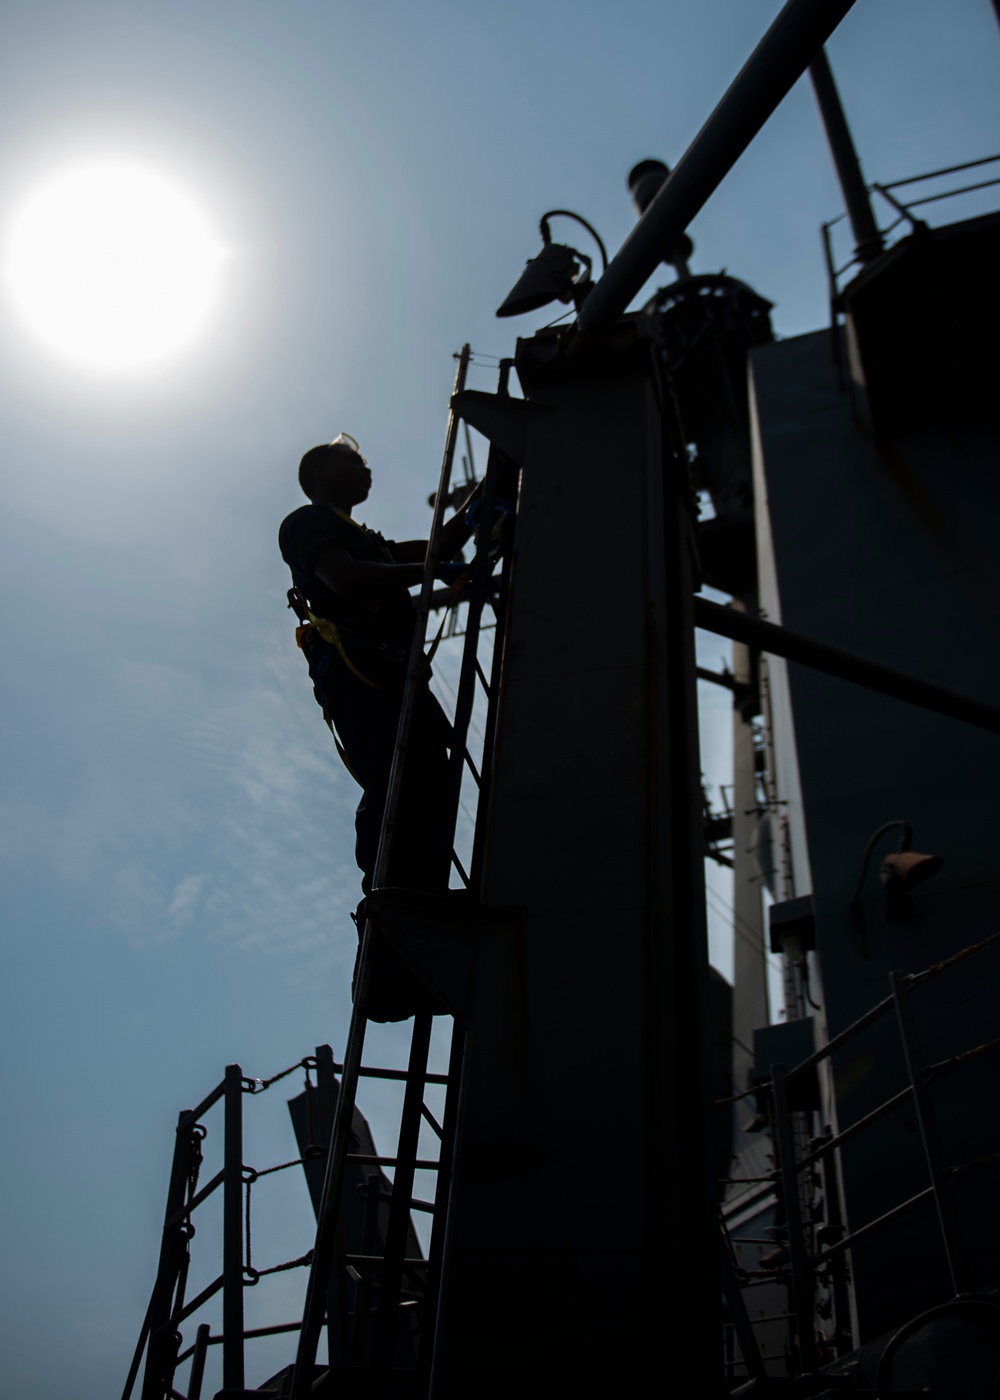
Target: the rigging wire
pixel 729 914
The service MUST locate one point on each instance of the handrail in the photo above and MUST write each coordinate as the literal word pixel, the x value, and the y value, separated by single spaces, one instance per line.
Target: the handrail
pixel 952 194
pixel 903 207
pixel 945 170
pixel 920 1076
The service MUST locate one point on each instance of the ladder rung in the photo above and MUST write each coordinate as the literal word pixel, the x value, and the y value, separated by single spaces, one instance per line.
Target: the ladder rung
pixel 195 1200
pixel 472 768
pixel 427 1206
pixel 429 1117
pixel 379 1259
pixel 398 1074
pixel 422 1164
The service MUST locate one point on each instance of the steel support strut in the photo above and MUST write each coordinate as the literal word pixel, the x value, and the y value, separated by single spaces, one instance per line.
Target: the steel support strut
pixel 779 641
pixel 779 60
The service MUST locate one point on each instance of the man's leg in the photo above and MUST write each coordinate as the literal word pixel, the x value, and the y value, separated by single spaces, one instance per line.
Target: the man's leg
pixel 421 851
pixel 365 720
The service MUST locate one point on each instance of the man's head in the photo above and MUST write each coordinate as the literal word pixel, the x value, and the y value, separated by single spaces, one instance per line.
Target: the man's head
pixel 336 474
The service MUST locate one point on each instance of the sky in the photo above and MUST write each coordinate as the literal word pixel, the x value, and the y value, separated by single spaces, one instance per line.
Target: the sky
pixel 177 833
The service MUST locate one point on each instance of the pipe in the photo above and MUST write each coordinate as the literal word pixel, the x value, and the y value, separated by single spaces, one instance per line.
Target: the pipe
pixel 779 60
pixel 779 641
pixel 867 238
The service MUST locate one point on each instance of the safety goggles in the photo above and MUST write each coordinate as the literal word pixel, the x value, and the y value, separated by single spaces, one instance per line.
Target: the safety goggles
pixel 345 440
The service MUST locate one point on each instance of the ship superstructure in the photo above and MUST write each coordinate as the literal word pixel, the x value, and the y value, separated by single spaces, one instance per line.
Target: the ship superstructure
pixel 637 1175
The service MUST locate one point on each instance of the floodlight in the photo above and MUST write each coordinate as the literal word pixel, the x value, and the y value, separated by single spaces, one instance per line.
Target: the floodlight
pixel 557 273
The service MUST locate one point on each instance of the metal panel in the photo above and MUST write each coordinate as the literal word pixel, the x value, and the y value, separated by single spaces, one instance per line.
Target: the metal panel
pixel 576 1234
pixel 889 551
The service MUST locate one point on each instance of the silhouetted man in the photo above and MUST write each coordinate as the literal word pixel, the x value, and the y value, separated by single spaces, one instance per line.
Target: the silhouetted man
pixel 357 583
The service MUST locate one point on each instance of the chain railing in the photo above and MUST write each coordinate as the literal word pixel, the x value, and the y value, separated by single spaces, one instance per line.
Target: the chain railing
pixel 903 210
pixel 161 1338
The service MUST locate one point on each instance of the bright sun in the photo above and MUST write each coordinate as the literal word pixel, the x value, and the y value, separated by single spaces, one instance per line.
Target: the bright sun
pixel 113 266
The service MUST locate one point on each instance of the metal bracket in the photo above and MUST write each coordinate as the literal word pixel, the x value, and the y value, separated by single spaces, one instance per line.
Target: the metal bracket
pixel 448 941
pixel 502 421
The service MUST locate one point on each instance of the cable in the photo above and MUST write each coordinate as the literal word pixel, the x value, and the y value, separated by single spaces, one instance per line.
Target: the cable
pixel 728 913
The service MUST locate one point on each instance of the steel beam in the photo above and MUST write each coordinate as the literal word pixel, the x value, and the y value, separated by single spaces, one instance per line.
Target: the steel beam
pixel 779 60
pixel 582 1197
pixel 793 646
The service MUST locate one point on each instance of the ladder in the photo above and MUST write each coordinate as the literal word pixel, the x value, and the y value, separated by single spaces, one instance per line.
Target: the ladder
pixel 378 1352
pixel 379 1301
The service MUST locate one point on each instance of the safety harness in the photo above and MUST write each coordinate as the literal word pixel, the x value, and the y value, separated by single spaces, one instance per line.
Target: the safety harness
pixel 310 622
pixel 327 631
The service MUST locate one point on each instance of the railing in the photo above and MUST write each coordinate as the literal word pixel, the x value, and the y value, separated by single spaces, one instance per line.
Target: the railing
pixel 903 215
pixel 806 1264
pixel 161 1338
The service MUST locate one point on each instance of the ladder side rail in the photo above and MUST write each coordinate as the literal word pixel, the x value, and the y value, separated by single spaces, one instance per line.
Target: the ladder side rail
pixel 187 1230
pixel 337 1289
pixel 161 1341
pixel 442 1199
pixel 198 1361
pixel 187 1234
pixel 140 1347
pixel 366 1287
pixel 323 1251
pixel 232 1232
pixel 397 1228
pixel 951 1233
pixel 416 664
pixel 466 688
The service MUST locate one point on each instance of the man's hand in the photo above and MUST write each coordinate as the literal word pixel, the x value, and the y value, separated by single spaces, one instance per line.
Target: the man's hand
pixel 457 530
pixel 450 571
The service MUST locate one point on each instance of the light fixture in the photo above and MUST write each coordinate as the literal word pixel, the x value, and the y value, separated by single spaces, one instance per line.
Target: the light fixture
pixel 644 183
pixel 904 869
pixel 899 872
pixel 557 273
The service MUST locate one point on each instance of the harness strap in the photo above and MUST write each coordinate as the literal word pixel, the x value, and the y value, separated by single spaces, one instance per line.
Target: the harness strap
pixel 328 631
pixel 341 750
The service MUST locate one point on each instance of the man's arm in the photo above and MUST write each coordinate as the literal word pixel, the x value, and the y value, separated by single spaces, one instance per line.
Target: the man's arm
pixel 346 576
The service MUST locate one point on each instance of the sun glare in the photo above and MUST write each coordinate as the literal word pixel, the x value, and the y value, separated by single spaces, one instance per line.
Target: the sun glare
pixel 112 266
